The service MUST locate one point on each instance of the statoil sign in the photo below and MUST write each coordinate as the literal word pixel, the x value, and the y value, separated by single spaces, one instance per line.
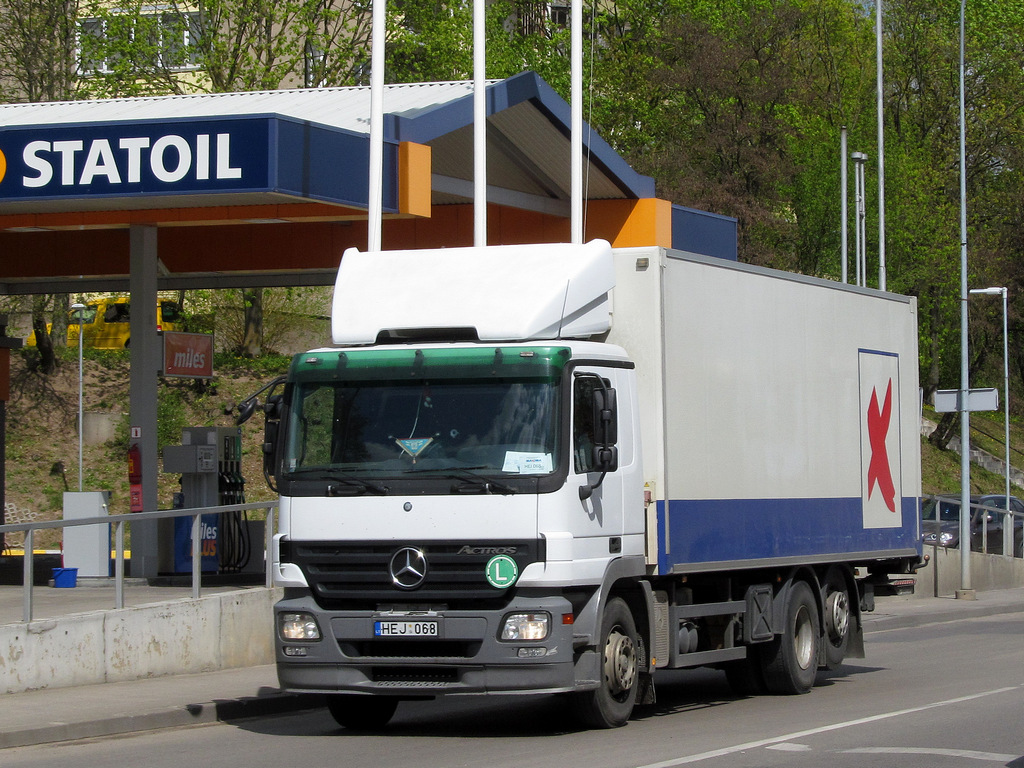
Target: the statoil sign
pixel 176 157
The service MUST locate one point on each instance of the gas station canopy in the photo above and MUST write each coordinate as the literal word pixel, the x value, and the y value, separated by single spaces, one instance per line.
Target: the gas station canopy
pixel 287 171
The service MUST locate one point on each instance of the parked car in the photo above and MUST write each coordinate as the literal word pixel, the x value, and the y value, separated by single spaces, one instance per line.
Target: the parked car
pixel 940 522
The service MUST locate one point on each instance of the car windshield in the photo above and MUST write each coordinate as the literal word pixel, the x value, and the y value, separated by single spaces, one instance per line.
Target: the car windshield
pixel 949 511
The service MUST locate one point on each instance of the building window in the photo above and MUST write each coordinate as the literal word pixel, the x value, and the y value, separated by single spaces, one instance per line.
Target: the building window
pixel 170 36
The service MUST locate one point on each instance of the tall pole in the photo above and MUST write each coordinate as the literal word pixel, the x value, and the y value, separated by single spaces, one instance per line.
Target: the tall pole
pixel 1007 539
pixel 375 183
pixel 843 206
pixel 479 125
pixel 79 308
pixel 965 590
pixel 1008 520
pixel 860 235
pixel 881 147
pixel 576 139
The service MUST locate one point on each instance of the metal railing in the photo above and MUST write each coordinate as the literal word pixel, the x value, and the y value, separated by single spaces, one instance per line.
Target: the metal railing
pixel 118 521
pixel 1011 530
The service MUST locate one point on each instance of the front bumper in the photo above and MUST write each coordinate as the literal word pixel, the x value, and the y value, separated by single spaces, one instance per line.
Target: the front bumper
pixel 465 658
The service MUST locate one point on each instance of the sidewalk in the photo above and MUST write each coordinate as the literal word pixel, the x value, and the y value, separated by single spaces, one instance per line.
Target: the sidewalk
pixel 62 714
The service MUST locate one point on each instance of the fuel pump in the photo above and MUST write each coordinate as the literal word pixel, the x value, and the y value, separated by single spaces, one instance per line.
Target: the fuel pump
pixel 210 463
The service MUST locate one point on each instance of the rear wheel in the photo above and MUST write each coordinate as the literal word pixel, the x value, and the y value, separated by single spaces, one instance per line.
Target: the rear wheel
pixel 361 713
pixel 791 659
pixel 838 618
pixel 611 703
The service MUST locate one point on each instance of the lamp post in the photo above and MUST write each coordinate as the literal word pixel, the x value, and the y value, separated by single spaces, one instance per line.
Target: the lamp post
pixel 79 309
pixel 965 592
pixel 859 158
pixel 1007 549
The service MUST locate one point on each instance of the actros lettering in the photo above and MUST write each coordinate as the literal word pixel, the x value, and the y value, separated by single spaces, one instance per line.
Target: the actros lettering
pixel 468 550
pixel 169 158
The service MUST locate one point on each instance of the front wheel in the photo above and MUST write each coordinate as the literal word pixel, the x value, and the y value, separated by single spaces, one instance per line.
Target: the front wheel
pixel 361 713
pixel 791 659
pixel 610 705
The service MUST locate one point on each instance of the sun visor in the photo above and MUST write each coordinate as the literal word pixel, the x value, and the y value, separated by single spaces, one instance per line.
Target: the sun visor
pixel 498 293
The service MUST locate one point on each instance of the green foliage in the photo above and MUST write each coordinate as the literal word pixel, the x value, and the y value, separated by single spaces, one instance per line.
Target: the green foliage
pixel 135 48
pixel 172 417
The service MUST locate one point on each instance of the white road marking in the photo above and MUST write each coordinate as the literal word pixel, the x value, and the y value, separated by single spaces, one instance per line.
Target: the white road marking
pixel 992 757
pixel 822 729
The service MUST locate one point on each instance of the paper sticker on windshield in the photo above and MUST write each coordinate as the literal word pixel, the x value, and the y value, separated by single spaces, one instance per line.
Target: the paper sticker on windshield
pixel 527 463
pixel 415 446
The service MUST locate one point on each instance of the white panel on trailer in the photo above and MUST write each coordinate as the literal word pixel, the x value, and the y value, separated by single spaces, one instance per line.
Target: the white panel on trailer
pixel 767 390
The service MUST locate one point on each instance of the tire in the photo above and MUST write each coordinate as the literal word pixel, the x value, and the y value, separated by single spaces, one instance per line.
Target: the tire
pixel 610 705
pixel 361 713
pixel 838 618
pixel 791 659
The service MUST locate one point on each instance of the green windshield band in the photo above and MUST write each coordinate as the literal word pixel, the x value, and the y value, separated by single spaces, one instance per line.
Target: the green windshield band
pixel 543 363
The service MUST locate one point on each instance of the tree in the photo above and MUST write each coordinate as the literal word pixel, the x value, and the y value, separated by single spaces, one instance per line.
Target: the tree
pixel 222 45
pixel 37 50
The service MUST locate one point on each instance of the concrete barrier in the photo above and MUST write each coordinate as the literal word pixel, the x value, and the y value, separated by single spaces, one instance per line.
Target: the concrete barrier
pixel 941 578
pixel 220 631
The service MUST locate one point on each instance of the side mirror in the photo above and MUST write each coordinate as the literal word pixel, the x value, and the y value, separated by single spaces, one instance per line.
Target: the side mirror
pixel 272 409
pixel 606 458
pixel 606 416
pixel 246 409
pixel 606 428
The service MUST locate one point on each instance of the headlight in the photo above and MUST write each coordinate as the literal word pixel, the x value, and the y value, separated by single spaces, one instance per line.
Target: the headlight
pixel 299 627
pixel 526 626
pixel 945 539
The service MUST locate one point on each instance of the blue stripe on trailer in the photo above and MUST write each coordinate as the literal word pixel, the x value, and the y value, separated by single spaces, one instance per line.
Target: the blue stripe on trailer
pixel 729 530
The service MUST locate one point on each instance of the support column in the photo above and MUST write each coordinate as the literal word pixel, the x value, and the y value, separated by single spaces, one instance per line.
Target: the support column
pixel 146 355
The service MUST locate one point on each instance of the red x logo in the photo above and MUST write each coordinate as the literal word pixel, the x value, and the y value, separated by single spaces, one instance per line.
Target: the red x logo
pixel 879 472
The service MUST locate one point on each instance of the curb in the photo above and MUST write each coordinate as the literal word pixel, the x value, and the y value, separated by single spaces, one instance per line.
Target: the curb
pixel 191 714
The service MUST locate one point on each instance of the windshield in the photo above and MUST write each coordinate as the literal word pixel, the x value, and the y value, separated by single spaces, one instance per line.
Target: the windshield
pixel 345 421
pixel 949 511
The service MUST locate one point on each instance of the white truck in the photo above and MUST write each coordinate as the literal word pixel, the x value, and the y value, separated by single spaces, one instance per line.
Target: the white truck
pixel 561 468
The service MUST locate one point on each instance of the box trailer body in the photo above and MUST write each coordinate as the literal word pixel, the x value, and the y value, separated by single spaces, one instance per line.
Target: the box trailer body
pixel 559 468
pixel 759 392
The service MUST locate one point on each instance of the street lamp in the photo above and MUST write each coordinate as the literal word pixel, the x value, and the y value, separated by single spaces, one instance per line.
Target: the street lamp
pixel 79 309
pixel 1006 409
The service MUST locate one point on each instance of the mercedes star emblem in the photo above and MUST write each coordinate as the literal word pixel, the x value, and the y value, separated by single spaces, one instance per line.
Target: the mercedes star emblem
pixel 408 568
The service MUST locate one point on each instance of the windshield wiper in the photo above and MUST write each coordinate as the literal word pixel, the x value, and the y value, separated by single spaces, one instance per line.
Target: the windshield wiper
pixel 351 486
pixel 474 483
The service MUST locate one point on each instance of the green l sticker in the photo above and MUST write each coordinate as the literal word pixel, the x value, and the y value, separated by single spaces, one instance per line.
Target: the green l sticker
pixel 501 571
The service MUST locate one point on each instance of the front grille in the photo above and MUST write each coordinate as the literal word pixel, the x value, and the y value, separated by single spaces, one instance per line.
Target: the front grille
pixel 356 575
pixel 404 649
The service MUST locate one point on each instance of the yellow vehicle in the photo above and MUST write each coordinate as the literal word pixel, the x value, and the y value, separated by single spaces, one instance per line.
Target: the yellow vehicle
pixel 105 322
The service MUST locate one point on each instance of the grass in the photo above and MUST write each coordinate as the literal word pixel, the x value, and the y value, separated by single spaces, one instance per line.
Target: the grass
pixel 940 470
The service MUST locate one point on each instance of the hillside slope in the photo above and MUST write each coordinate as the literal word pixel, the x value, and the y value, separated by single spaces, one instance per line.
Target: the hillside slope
pixel 42 429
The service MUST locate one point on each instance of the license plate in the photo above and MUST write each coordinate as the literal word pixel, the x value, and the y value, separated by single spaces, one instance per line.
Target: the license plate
pixel 405 628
